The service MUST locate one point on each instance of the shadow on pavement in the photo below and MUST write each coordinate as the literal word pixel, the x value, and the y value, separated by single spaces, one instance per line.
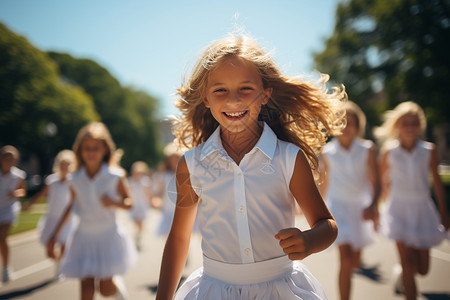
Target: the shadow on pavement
pixel 373 273
pixel 433 296
pixel 27 290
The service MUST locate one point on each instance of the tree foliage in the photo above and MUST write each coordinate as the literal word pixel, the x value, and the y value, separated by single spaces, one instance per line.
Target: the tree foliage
pixel 129 114
pixel 33 99
pixel 43 92
pixel 386 52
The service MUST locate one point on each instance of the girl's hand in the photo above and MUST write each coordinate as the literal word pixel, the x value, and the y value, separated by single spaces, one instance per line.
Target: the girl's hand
pixel 107 201
pixel 371 213
pixel 51 248
pixel 292 240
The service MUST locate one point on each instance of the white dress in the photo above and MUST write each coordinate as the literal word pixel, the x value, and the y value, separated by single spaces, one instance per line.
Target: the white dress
pixel 100 247
pixel 240 210
pixel 167 179
pixel 9 207
pixel 410 216
pixel 58 198
pixel 349 191
pixel 138 192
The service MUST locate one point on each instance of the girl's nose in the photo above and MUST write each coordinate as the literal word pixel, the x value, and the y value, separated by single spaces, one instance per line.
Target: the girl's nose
pixel 234 98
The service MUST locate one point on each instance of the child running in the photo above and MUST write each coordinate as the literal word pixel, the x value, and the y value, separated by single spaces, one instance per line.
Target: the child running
pixel 411 216
pixel 58 194
pixel 252 132
pixel 141 193
pixel 351 188
pixel 100 249
pixel 12 187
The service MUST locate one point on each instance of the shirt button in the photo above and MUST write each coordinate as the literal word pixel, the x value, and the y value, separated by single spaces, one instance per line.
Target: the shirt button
pixel 239 175
pixel 241 209
pixel 247 251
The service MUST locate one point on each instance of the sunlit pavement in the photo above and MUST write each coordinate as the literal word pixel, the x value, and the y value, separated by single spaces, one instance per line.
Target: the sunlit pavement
pixel 33 274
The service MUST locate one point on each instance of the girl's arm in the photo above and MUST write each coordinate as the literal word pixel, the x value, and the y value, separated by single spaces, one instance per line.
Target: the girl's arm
pixel 371 212
pixel 42 193
pixel 177 244
pixel 384 178
pixel 124 192
pixel 62 221
pixel 323 232
pixel 323 180
pixel 439 190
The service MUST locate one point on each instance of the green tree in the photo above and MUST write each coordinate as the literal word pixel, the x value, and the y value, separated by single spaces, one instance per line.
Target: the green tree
pixel 386 52
pixel 128 113
pixel 34 100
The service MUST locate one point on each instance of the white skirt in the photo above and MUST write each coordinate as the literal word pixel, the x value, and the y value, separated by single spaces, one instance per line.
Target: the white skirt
pixel 416 223
pixel 98 253
pixel 8 214
pixel 278 278
pixel 353 230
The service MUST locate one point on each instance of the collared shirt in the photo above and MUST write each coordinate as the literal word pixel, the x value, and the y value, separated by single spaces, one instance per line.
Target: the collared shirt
pixel 409 171
pixel 88 193
pixel 348 172
pixel 58 194
pixel 243 206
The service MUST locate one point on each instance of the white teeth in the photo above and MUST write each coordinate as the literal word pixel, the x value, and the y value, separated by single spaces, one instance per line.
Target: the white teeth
pixel 238 114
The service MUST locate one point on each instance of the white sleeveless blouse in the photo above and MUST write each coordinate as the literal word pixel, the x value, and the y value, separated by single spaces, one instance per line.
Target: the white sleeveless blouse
pixel 243 206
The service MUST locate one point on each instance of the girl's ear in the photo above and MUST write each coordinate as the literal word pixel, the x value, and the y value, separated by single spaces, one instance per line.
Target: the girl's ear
pixel 267 94
pixel 206 102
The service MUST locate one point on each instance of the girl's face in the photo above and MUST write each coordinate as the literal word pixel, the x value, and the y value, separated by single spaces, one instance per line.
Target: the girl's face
pixel 408 127
pixel 92 151
pixel 351 129
pixel 235 94
pixel 64 167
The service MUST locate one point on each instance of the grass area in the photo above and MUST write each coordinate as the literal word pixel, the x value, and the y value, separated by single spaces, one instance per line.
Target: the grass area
pixel 26 221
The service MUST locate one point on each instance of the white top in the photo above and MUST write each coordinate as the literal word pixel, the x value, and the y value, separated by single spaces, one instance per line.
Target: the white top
pixel 138 191
pixel 58 194
pixel 89 191
pixel 241 208
pixel 409 171
pixel 348 172
pixel 8 183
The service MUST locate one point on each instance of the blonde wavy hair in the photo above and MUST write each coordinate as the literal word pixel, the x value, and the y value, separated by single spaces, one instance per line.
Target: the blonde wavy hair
pixel 97 130
pixel 388 130
pixel 303 113
pixel 66 156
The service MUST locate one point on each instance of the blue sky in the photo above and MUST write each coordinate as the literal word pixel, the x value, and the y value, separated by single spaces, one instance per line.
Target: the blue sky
pixel 152 44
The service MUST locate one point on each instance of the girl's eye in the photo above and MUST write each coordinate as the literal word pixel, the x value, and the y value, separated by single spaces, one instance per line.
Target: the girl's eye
pixel 221 90
pixel 247 88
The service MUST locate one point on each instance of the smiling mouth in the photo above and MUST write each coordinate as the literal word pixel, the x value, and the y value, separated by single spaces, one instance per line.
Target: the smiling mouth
pixel 235 115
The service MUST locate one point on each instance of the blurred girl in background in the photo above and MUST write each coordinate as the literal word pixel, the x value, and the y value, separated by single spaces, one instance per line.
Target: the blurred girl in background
pixel 411 218
pixel 12 187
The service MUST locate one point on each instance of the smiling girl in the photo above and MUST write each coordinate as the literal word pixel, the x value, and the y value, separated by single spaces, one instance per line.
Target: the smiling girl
pixel 251 131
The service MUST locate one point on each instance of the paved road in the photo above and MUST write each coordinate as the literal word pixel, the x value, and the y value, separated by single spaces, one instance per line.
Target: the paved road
pixel 33 273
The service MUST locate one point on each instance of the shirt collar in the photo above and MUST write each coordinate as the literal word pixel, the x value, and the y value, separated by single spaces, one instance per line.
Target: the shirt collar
pixel 103 170
pixel 267 143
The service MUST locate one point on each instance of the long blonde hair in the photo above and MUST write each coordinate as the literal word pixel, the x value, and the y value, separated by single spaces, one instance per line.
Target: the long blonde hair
pixel 95 130
pixel 303 113
pixel 388 130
